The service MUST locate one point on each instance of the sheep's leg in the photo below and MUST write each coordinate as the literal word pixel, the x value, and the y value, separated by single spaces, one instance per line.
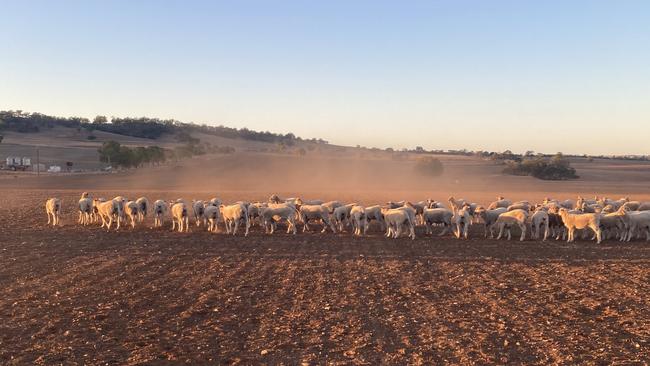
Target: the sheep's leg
pixel 523 232
pixel 48 218
pixel 500 232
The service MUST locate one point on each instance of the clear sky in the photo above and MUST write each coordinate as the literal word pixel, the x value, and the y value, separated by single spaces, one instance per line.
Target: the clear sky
pixel 571 76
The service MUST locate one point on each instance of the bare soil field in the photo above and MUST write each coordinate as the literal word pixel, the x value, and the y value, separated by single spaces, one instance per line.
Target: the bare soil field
pixel 81 295
pixel 74 295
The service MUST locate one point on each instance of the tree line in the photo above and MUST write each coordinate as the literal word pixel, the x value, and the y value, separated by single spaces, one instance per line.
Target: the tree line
pixel 143 127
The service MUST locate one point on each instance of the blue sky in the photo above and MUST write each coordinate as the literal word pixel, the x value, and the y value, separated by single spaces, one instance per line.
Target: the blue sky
pixel 571 76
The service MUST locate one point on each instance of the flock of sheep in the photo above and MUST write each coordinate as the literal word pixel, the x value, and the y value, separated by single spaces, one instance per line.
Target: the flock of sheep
pixel 602 218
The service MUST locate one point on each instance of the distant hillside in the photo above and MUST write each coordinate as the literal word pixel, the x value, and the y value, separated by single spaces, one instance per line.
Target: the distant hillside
pixel 143 127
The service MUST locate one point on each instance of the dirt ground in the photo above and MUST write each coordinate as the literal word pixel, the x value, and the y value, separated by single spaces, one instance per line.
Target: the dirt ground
pixel 80 295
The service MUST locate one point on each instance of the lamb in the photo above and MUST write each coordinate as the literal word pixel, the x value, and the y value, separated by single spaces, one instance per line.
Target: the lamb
pixel 121 201
pixel 198 209
pixel 109 211
pixel 437 216
pixel 143 208
pixel 538 221
pixel 254 211
pixel 431 203
pixel 180 216
pixel 488 218
pixel 462 219
pixel 214 202
pixel 513 217
pixel 53 211
pixel 316 212
pixel 410 211
pixel 85 209
pixel 574 221
pixel 212 214
pixel 359 220
pixel 499 203
pixel 233 215
pixel 632 205
pixel 131 211
pixel 160 209
pixel 277 212
pixel 395 219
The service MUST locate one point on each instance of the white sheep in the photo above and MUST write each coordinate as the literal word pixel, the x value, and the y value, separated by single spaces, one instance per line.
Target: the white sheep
pixel 639 222
pixel 53 211
pixel 212 215
pixel 160 209
pixel 539 220
pixel 279 212
pixel 499 203
pixel 395 220
pixel 109 211
pixel 574 221
pixel 488 218
pixel 510 218
pixel 374 213
pixel 143 208
pixel 315 213
pixel 85 209
pixel 461 220
pixel 437 216
pixel 359 220
pixel 233 215
pixel 198 209
pixel 131 212
pixel 180 216
pixel 341 216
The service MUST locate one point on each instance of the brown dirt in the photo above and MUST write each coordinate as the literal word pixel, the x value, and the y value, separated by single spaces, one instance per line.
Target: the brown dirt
pixel 74 295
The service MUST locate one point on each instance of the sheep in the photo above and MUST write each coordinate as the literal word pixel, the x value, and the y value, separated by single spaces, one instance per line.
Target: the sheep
pixel 521 205
pixel 456 204
pixel 632 205
pixel 488 218
pixel 198 209
pixel 395 219
pixel 359 220
pixel 431 203
pixel 53 211
pixel 538 220
pixel 499 203
pixel 160 209
pixel 615 222
pixel 513 217
pixel 94 216
pixel 316 212
pixel 341 216
pixel 437 216
pixel 644 206
pixel 277 212
pixel 274 198
pixel 214 202
pixel 461 220
pixel 85 209
pixel 180 216
pixel 639 221
pixel 143 208
pixel 332 205
pixel 212 215
pixel 131 211
pixel 392 204
pixel 254 211
pixel 374 213
pixel 574 221
pixel 299 202
pixel 233 215
pixel 121 201
pixel 109 211
pixel 411 212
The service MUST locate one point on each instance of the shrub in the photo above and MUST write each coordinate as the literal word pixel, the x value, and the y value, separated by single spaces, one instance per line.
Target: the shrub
pixel 429 166
pixel 557 168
